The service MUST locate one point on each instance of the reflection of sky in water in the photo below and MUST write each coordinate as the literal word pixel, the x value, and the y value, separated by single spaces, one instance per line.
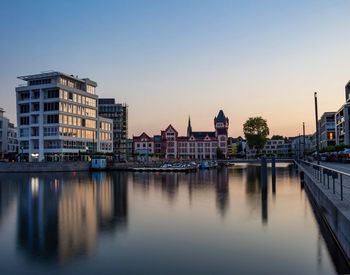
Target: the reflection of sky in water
pixel 210 222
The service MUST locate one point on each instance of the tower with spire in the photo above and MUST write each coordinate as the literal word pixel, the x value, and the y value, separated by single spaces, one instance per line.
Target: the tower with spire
pixel 189 127
pixel 221 124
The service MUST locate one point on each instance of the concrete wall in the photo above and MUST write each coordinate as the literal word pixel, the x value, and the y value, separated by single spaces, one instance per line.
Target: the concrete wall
pixel 25 167
pixel 334 211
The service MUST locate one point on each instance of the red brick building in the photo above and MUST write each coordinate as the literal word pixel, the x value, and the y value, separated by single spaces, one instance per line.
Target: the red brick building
pixel 195 145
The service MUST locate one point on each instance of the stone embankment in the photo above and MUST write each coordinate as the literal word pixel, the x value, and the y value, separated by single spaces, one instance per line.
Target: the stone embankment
pixel 334 209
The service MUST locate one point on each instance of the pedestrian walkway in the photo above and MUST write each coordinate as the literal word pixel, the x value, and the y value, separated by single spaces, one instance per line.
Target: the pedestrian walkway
pixel 332 183
pixel 343 167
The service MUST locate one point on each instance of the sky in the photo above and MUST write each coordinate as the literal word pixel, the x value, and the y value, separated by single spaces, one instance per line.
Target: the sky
pixel 169 60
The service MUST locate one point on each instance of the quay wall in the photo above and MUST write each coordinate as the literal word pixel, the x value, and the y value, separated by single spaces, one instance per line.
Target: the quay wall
pixel 66 166
pixel 27 167
pixel 335 212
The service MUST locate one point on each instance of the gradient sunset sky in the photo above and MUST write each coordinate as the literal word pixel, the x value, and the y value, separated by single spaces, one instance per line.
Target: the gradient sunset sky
pixel 171 59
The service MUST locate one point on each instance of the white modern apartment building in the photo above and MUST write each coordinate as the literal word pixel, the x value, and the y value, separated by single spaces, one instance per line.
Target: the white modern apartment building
pixel 272 147
pixel 8 136
pixel 57 117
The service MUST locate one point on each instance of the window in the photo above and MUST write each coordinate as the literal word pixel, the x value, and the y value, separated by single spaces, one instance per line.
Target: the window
pixel 70 96
pixel 90 89
pixel 35 107
pixel 24 132
pixel 52 93
pixel 50 119
pixel 24 108
pixel 24 120
pixel 40 82
pixel 34 119
pixel 50 131
pixel 51 106
pixel 35 131
pixel 52 144
pixel 24 144
pixel 35 94
pixel 24 95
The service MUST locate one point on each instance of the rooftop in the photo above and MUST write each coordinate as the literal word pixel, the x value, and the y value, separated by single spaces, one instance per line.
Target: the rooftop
pixel 47 74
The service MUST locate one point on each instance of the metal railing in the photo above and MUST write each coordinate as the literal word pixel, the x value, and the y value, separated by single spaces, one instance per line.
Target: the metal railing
pixel 323 174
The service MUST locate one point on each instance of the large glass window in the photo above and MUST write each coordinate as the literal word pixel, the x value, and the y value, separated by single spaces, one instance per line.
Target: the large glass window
pixel 51 119
pixel 90 89
pixel 51 106
pixel 24 120
pixel 52 93
pixel 50 131
pixel 24 95
pixel 24 108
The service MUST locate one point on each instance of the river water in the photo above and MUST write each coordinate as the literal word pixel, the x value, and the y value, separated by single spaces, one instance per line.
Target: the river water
pixel 208 222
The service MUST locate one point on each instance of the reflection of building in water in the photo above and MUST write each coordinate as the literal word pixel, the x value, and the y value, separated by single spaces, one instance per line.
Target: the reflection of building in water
pixel 170 184
pixel 77 220
pixel 62 218
pixel 167 182
pixel 253 180
pixel 7 197
pixel 222 190
pixel 254 192
pixel 37 218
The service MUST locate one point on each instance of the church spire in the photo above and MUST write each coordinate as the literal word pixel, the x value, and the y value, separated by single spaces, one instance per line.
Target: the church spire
pixel 189 127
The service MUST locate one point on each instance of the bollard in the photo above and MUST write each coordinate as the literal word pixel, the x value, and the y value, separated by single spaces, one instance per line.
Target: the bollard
pixel 328 180
pixel 323 176
pixel 273 165
pixel 263 173
pixel 341 186
pixel 333 185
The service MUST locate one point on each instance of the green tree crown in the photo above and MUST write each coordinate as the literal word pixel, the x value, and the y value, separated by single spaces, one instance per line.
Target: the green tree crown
pixel 256 131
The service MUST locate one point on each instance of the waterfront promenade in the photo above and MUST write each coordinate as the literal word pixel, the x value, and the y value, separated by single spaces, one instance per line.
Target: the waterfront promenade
pixel 331 192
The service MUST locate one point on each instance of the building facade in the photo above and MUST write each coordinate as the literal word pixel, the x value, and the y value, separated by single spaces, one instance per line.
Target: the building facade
pixel 8 137
pixel 301 146
pixel 272 147
pixel 327 129
pixel 236 147
pixel 143 146
pixel 57 117
pixel 104 135
pixel 107 107
pixel 195 145
pixel 129 149
pixel 342 127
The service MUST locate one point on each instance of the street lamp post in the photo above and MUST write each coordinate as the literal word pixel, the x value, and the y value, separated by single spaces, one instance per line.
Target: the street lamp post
pixel 317 131
pixel 304 140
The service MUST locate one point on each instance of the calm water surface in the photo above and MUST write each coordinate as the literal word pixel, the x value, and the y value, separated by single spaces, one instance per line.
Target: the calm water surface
pixel 209 222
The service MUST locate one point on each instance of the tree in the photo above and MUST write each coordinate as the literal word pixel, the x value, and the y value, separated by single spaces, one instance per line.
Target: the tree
pixel 278 137
pixel 256 132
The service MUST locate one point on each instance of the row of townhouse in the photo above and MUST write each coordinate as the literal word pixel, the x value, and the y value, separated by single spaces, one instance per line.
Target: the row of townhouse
pixel 195 145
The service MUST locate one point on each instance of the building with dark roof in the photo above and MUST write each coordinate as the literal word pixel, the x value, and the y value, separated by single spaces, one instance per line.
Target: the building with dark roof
pixel 195 145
